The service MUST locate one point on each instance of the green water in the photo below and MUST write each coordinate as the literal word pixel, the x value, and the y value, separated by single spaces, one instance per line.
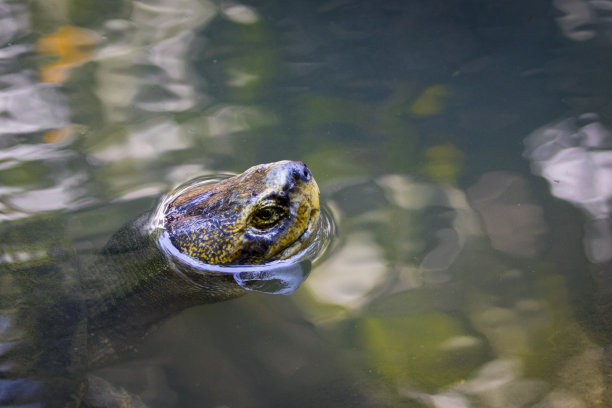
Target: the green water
pixel 463 148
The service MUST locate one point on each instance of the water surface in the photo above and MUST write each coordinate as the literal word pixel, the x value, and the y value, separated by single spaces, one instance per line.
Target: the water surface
pixel 462 146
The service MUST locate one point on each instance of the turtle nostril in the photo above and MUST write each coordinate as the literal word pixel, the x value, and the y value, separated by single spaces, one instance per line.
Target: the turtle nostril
pixel 297 171
pixel 301 172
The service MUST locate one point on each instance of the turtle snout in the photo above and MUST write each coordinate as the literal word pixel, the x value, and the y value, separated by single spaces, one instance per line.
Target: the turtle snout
pixel 300 172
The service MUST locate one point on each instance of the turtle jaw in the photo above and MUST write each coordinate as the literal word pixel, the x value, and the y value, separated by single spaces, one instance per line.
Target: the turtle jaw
pixel 298 229
pixel 304 240
pixel 306 199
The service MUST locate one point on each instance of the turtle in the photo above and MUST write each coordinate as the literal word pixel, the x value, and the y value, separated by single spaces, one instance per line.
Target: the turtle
pixel 70 310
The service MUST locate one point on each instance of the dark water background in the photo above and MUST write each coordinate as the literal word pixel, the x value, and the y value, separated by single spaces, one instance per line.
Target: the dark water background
pixel 463 147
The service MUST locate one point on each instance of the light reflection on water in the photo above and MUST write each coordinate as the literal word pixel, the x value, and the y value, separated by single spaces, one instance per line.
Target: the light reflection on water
pixel 456 281
pixel 577 162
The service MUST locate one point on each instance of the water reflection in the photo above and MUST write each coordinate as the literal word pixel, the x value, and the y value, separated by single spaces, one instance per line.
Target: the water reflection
pixel 573 155
pixel 69 47
pixel 144 63
pixel 27 107
pixel 420 254
pixel 583 20
pixel 455 279
pixel 513 222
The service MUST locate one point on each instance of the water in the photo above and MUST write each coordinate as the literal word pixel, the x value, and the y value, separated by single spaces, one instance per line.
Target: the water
pixel 463 148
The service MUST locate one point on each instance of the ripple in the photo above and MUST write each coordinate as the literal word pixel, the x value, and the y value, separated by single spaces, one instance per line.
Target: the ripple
pixel 274 277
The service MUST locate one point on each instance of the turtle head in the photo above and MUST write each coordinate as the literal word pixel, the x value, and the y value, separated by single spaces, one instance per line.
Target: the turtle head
pixel 269 212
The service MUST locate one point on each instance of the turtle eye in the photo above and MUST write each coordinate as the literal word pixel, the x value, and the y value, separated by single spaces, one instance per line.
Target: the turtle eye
pixel 266 217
